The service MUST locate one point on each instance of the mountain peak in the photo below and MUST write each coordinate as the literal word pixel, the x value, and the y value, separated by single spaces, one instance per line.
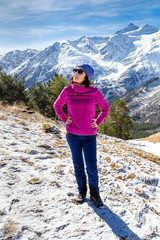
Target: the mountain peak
pixel 149 29
pixel 130 27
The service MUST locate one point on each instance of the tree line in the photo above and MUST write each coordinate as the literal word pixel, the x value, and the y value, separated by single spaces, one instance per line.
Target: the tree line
pixel 41 96
pixel 11 88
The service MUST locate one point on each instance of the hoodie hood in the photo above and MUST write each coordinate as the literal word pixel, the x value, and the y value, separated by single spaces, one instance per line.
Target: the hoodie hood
pixel 78 88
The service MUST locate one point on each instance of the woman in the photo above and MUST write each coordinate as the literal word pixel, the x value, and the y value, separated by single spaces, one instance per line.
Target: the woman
pixel 81 99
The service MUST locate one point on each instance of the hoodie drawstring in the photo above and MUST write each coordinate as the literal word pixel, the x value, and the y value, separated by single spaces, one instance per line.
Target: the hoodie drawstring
pixel 84 98
pixel 76 99
pixel 85 101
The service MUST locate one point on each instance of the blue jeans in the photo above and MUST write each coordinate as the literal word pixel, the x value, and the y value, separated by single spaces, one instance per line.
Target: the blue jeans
pixel 86 145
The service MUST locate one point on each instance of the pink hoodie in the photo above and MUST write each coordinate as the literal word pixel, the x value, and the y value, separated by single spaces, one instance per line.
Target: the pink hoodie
pixel 81 103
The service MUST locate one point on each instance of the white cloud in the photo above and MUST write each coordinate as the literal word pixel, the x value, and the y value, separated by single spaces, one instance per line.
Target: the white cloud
pixel 23 8
pixel 35 6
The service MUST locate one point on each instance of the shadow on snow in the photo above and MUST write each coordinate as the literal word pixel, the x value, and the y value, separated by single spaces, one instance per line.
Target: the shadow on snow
pixel 118 226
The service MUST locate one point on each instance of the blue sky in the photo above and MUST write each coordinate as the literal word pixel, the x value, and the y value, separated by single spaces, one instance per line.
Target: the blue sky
pixel 39 23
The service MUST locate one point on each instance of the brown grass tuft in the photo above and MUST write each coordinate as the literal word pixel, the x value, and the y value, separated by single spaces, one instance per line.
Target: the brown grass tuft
pixel 34 181
pixel 10 229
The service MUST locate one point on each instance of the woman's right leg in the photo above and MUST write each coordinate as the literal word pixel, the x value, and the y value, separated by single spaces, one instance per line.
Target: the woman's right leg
pixel 76 150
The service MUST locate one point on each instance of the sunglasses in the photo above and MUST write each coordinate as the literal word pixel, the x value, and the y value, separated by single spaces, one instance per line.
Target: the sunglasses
pixel 80 71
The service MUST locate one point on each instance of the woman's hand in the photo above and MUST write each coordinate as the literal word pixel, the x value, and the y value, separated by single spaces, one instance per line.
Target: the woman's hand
pixel 94 124
pixel 69 120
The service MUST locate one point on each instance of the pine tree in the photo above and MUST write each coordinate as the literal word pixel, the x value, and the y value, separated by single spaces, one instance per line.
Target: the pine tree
pixel 118 123
pixel 11 88
pixel 42 96
pixel 55 86
pixel 38 98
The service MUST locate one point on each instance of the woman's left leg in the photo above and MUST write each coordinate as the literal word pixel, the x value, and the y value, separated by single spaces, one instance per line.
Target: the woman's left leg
pixel 90 154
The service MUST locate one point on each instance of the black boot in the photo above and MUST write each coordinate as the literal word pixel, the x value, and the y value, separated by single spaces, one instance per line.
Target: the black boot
pixel 95 197
pixel 80 198
pixel 97 201
pixel 82 195
pixel 84 188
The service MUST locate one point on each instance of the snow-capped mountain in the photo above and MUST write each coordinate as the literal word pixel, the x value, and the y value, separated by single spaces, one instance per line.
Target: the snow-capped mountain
pixel 144 102
pixel 15 58
pixel 122 62
pixel 130 27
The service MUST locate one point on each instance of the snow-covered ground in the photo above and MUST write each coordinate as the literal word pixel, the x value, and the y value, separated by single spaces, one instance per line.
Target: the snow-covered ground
pixel 37 187
pixel 150 147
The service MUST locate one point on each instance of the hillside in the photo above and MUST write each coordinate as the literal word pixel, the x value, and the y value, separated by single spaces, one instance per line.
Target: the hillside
pixel 38 185
pixel 153 138
pixel 144 101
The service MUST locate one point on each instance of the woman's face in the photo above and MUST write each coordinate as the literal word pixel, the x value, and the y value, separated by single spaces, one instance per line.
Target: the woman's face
pixel 77 77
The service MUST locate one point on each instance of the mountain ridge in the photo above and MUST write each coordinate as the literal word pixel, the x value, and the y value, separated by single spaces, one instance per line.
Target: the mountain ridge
pixel 142 110
pixel 122 62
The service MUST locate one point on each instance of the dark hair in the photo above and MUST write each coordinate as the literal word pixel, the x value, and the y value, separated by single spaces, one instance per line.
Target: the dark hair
pixel 86 82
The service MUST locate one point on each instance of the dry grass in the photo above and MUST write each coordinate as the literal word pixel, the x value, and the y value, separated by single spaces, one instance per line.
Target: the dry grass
pixel 121 149
pixel 130 176
pixel 16 105
pixel 47 127
pixel 148 156
pixel 155 211
pixel 58 170
pixel 114 166
pixel 34 181
pixel 28 162
pixel 21 111
pixel 153 138
pixel 10 229
pixel 4 118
